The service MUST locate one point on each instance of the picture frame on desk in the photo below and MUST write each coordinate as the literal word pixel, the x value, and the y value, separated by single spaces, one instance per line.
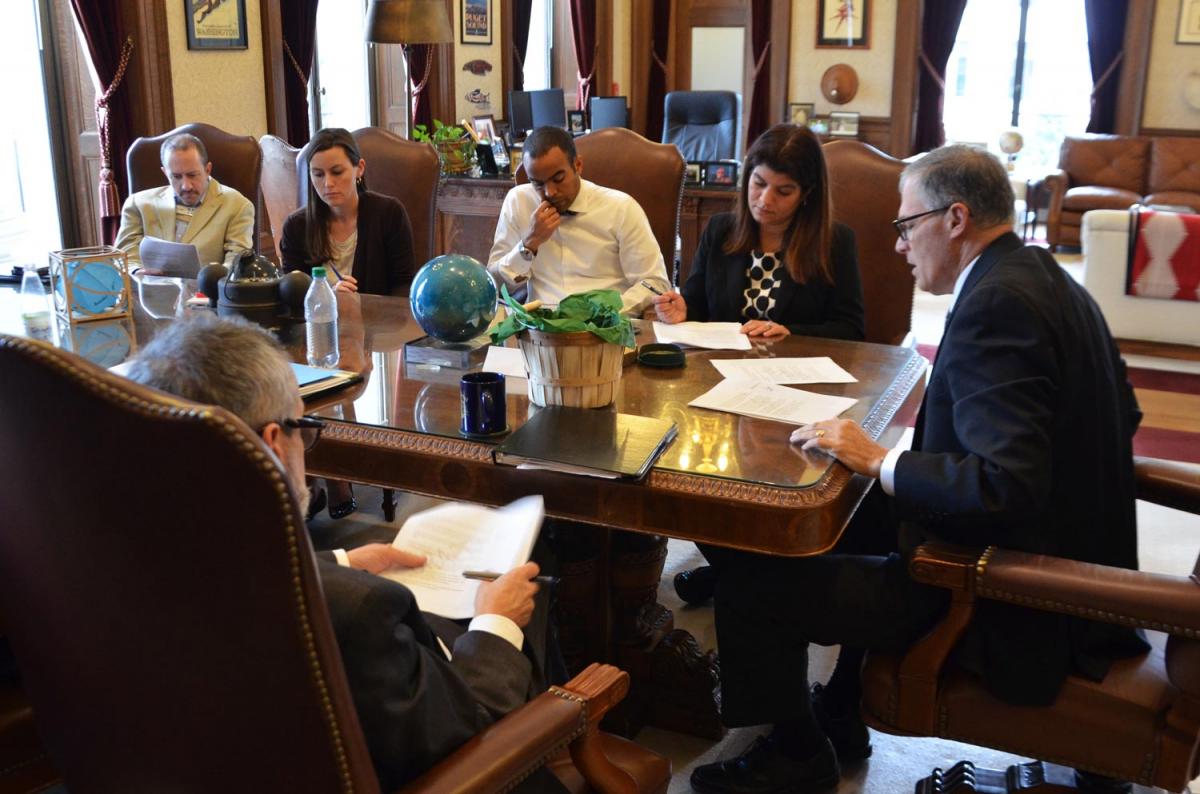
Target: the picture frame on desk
pixel 844 24
pixel 485 126
pixel 1188 30
pixel 477 22
pixel 843 124
pixel 800 112
pixel 691 174
pixel 576 122
pixel 819 126
pixel 215 24
pixel 721 173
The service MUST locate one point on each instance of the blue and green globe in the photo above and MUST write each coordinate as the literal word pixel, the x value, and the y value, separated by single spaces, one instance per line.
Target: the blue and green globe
pixel 453 298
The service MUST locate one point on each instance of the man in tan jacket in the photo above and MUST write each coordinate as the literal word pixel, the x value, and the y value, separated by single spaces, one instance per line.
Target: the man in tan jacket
pixel 194 208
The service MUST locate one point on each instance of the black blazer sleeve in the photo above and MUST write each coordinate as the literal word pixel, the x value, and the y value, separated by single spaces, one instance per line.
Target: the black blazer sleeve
pixel 383 260
pixel 291 244
pixel 840 313
pixel 695 289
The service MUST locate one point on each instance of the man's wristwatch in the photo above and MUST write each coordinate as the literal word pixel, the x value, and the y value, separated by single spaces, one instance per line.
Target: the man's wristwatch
pixel 525 253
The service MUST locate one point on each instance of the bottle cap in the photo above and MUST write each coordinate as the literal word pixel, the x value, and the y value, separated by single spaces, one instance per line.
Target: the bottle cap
pixel 318 272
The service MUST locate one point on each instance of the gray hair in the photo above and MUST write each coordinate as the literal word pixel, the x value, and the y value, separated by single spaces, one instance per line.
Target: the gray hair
pixel 221 361
pixel 182 142
pixel 964 174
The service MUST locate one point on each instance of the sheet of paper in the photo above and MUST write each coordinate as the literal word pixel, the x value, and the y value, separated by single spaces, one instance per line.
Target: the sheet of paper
pixel 817 369
pixel 506 360
pixel 771 401
pixel 166 258
pixel 459 537
pixel 714 336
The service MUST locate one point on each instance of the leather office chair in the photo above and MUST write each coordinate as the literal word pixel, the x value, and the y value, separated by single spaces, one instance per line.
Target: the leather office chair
pixel 705 125
pixel 24 763
pixel 408 172
pixel 280 184
pixel 650 172
pixel 1141 723
pixel 156 660
pixel 865 185
pixel 236 162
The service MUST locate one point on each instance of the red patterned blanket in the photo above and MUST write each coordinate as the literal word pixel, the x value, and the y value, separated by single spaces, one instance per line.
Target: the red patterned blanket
pixel 1164 255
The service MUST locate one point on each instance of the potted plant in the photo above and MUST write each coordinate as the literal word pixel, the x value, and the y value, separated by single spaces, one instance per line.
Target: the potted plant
pixel 455 148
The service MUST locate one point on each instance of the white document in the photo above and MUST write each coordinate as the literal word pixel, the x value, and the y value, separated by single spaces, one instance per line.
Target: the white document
pixel 771 401
pixel 166 258
pixel 457 537
pixel 714 336
pixel 506 360
pixel 817 369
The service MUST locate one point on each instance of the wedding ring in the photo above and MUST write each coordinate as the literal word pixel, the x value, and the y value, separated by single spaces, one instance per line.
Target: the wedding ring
pixel 819 434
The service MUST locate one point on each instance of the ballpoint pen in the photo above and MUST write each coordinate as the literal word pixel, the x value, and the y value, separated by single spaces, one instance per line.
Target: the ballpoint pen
pixel 491 576
pixel 335 271
pixel 651 287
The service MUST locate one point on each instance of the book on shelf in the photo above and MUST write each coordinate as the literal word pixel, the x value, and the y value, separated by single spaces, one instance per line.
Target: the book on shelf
pixel 597 443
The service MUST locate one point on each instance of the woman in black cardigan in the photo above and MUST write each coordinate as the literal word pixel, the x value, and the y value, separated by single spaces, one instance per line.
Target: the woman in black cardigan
pixel 779 264
pixel 367 236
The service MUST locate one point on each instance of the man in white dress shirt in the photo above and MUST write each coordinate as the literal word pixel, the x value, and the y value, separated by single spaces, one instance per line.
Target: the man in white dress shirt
pixel 562 234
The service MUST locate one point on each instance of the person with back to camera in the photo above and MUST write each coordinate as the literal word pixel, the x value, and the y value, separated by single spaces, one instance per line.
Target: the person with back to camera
pixel 366 236
pixel 778 264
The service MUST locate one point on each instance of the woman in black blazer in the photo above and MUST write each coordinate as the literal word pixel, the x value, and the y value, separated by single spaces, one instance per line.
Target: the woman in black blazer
pixel 778 264
pixel 367 236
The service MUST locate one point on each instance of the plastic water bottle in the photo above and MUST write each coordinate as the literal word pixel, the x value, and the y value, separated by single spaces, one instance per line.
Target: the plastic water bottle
pixel 35 307
pixel 320 312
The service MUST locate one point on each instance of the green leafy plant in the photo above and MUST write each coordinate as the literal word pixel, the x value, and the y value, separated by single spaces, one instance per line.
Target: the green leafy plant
pixel 597 311
pixel 455 148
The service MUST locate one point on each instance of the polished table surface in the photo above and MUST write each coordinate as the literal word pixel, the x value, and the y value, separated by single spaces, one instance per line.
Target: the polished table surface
pixel 726 479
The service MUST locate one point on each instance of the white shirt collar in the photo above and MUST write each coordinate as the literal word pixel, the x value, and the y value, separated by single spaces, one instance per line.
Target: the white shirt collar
pixel 958 285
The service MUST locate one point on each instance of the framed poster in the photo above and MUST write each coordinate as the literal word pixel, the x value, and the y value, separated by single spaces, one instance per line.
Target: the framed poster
pixel 1188 31
pixel 476 21
pixel 215 24
pixel 844 24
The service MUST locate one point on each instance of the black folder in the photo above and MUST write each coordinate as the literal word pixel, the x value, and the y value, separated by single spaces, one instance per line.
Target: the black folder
pixel 590 441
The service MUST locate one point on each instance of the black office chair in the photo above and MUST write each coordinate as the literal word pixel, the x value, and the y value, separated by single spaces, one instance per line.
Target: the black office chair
pixel 705 125
pixel 607 111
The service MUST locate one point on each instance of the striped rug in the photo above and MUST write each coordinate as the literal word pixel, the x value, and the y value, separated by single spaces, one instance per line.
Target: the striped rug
pixel 1170 403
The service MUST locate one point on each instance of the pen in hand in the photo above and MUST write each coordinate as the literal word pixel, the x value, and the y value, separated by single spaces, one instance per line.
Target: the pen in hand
pixel 491 576
pixel 335 271
pixel 651 287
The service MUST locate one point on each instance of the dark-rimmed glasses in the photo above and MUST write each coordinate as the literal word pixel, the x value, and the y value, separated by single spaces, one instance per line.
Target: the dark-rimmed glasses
pixel 310 429
pixel 904 225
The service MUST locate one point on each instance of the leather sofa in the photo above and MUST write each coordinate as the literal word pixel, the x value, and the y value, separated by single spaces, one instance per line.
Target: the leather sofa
pixel 1114 172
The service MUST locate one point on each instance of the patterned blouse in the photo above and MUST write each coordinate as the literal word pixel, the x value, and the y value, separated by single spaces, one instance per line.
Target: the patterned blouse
pixel 760 295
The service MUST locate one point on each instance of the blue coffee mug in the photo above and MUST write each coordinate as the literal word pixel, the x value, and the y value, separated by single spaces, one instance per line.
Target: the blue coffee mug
pixel 484 410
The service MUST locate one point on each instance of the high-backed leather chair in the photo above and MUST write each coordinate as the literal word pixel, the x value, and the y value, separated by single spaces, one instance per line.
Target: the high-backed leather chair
pixel 1141 723
pixel 24 763
pixel 172 632
pixel 650 172
pixel 865 184
pixel 408 172
pixel 280 184
pixel 236 162
pixel 705 125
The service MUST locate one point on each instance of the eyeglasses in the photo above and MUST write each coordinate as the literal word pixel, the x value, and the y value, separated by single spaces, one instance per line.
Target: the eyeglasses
pixel 905 225
pixel 310 429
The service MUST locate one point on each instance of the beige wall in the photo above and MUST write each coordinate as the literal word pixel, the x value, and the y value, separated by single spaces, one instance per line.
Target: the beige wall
pixel 622 43
pixel 874 65
pixel 1173 70
pixel 491 83
pixel 220 87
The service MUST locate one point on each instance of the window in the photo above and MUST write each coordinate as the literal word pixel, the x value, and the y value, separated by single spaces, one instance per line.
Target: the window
pixel 539 53
pixel 340 93
pixel 1051 98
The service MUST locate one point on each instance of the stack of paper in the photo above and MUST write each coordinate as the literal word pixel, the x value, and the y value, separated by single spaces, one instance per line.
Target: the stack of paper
pixel 714 336
pixel 771 401
pixel 817 369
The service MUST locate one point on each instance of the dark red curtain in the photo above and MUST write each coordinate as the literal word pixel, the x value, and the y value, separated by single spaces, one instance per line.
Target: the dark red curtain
pixel 1106 39
pixel 656 85
pixel 420 65
pixel 299 18
pixel 521 11
pixel 759 112
pixel 939 29
pixel 583 32
pixel 110 48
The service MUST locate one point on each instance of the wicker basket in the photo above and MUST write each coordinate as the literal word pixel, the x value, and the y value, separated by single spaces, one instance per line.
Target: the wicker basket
pixel 578 369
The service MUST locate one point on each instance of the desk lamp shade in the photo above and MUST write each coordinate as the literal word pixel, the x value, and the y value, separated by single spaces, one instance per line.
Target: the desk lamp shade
pixel 409 22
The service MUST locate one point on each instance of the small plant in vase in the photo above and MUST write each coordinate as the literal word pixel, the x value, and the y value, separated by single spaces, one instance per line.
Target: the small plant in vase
pixel 455 148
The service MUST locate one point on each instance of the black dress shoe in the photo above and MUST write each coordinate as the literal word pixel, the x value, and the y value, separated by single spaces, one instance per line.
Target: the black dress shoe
pixel 846 731
pixel 697 585
pixel 765 769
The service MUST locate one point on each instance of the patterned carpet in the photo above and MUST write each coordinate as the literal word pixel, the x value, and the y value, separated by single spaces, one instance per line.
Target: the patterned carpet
pixel 1170 402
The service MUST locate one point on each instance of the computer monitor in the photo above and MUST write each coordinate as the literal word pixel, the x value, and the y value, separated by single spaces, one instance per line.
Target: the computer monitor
pixel 607 111
pixel 548 107
pixel 520 113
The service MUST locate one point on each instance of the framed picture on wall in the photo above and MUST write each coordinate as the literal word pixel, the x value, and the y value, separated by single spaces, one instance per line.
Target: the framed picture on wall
pixel 1188 31
pixel 844 24
pixel 215 24
pixel 476 21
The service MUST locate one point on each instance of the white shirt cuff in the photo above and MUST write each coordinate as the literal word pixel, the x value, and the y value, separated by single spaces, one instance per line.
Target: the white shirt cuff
pixel 343 559
pixel 887 470
pixel 500 626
